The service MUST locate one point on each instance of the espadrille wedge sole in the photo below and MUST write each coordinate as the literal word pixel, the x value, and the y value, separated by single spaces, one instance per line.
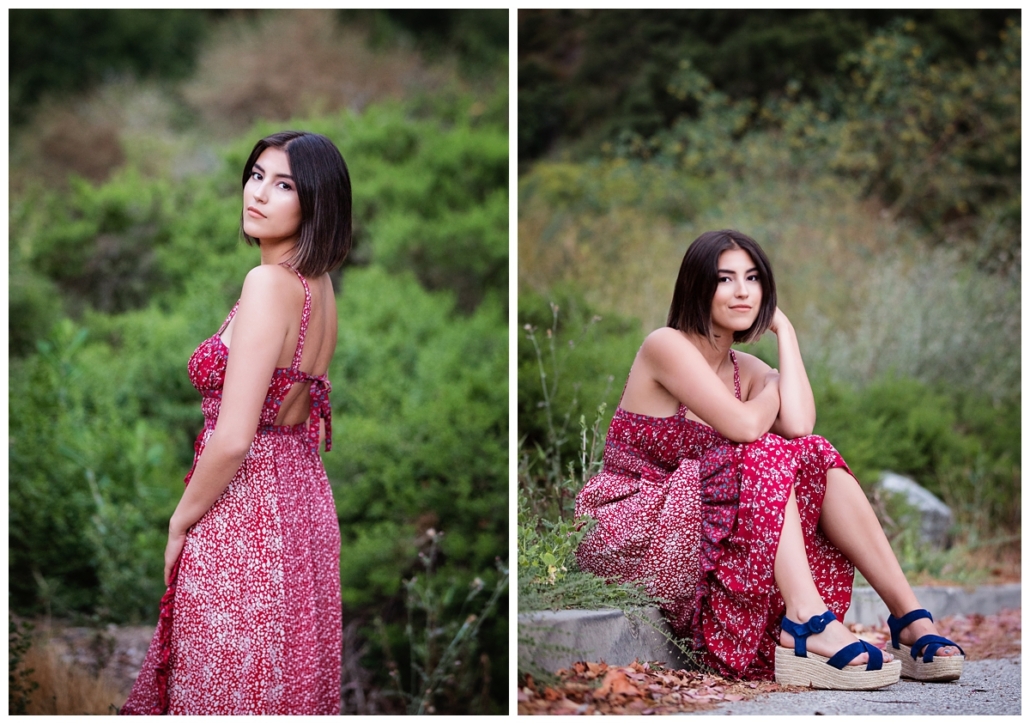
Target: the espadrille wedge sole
pixel 925 665
pixel 941 668
pixel 813 670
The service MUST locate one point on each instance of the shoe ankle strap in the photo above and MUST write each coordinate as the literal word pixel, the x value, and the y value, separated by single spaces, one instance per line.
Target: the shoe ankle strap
pixel 896 625
pixel 801 631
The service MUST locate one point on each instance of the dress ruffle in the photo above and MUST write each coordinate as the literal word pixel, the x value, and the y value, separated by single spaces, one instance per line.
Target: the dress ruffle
pixel 697 518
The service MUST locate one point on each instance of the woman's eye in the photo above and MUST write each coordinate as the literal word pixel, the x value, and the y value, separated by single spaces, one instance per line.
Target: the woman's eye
pixel 255 175
pixel 285 186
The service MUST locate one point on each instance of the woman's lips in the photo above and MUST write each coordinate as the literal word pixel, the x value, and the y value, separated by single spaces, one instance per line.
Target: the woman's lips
pixel 255 213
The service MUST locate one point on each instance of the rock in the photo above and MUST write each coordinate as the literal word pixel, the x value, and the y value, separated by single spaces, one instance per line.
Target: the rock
pixel 933 517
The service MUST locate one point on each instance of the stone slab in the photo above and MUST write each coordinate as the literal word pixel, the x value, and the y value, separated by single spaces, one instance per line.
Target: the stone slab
pixel 868 609
pixel 552 640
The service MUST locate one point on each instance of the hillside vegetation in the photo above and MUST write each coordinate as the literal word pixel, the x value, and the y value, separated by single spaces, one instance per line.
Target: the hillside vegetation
pixel 883 181
pixel 125 253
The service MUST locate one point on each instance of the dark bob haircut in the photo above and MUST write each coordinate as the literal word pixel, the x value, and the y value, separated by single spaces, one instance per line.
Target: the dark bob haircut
pixel 691 308
pixel 323 187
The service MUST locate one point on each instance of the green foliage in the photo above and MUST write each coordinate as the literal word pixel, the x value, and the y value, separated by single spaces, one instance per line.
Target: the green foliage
pixel 88 478
pixel 938 141
pixel 478 37
pixel 597 187
pixel 439 206
pixel 61 51
pixel 935 141
pixel 33 307
pixel 103 416
pixel 547 549
pixel 567 372
pixel 587 76
pixel 554 463
pixel 420 400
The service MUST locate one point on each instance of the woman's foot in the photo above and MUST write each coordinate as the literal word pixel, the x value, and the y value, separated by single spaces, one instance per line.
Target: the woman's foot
pixel 925 655
pixel 820 657
pixel 827 643
pixel 921 627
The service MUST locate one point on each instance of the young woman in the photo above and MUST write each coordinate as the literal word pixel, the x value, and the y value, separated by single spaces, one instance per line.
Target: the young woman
pixel 250 623
pixel 715 494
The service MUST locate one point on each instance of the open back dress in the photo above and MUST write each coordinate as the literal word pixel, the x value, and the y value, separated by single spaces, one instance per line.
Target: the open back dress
pixel 251 621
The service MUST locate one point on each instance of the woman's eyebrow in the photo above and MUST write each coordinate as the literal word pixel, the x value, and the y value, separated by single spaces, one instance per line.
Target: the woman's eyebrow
pixel 732 271
pixel 278 175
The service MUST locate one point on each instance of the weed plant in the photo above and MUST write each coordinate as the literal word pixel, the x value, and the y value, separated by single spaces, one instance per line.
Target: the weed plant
pixel 448 668
pixel 549 532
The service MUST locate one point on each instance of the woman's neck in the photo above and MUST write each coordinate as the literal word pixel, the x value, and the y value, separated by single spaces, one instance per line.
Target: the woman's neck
pixel 276 253
pixel 715 349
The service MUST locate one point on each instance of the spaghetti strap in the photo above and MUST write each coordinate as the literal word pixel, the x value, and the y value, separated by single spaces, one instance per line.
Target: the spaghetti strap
pixel 232 313
pixel 304 317
pixel 736 374
pixel 320 387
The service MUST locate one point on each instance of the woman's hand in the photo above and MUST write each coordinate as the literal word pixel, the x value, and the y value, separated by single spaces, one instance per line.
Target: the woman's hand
pixel 779 322
pixel 797 404
pixel 176 541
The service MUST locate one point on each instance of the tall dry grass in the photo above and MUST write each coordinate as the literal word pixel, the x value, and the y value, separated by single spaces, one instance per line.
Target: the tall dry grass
pixel 298 62
pixel 816 234
pixel 866 292
pixel 66 688
pixel 273 65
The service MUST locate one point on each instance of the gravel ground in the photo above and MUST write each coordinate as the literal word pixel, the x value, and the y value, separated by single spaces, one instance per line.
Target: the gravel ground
pixel 986 687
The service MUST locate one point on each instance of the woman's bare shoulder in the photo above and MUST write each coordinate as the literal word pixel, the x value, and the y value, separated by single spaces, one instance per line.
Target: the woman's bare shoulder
pixel 750 363
pixel 665 340
pixel 272 282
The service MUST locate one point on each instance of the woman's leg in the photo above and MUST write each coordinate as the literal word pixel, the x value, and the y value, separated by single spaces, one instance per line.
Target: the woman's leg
pixel 849 522
pixel 794 579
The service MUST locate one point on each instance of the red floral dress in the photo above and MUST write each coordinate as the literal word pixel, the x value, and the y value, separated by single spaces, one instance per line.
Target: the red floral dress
pixel 251 621
pixel 697 518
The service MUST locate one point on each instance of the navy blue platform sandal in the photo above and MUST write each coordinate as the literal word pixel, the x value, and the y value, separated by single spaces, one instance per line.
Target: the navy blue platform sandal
pixel 800 668
pixel 918 661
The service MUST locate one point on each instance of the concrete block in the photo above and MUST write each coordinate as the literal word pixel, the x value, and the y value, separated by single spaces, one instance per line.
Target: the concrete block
pixel 555 639
pixel 868 609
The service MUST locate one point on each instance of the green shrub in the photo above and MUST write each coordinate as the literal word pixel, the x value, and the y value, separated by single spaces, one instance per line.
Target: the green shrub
pixel 88 479
pixel 420 400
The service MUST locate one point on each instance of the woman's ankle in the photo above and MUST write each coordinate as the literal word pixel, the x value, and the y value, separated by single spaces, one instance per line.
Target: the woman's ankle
pixel 805 611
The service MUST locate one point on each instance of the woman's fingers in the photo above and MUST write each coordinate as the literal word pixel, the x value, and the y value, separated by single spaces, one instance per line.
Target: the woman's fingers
pixel 172 551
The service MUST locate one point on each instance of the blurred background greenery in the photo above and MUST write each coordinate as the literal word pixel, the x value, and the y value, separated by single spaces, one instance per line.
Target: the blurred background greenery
pixel 128 133
pixel 874 154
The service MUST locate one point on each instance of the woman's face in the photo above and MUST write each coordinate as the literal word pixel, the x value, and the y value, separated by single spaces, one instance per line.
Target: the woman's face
pixel 271 207
pixel 738 294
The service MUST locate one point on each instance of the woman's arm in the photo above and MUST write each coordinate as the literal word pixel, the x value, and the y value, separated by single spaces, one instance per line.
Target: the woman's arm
pixel 259 331
pixel 796 416
pixel 679 367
